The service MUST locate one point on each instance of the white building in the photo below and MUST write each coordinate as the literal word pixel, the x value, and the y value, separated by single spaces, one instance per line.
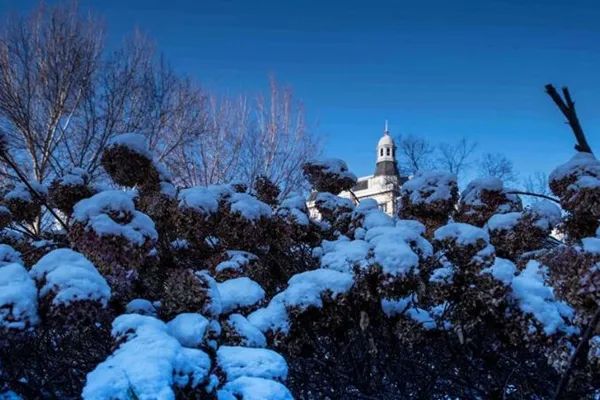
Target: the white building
pixel 384 184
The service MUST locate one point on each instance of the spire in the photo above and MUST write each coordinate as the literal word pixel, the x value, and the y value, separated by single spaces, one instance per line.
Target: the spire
pixel 386 130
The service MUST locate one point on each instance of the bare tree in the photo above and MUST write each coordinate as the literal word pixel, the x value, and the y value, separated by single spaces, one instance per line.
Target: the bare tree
pixel 455 157
pixel 414 154
pixel 47 62
pixel 537 183
pixel 497 165
pixel 247 138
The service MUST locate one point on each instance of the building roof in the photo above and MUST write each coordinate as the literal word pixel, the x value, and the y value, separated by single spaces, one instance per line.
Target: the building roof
pixel 386 168
pixel 386 140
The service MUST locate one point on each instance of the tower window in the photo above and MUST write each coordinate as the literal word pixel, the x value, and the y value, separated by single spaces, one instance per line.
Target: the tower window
pixel 381 152
pixel 387 151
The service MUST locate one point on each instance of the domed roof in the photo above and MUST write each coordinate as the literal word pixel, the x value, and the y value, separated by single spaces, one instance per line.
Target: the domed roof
pixel 386 140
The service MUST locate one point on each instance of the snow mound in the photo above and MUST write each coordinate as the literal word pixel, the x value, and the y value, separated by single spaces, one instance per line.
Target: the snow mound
pixel 239 292
pixel 8 255
pixel 237 361
pixel 405 306
pixel 133 141
pixel 70 277
pixel 250 335
pixel 502 270
pixel 334 166
pixel 464 234
pixel 591 245
pixel 22 192
pixel 140 306
pixel 547 212
pixel 147 364
pixel 503 222
pixel 98 213
pixel 331 202
pixel 294 207
pixel 304 290
pixel 536 298
pixel 429 186
pixel 74 177
pixel 247 388
pixel 580 164
pixel 249 206
pixel 371 215
pixel 237 260
pixel 188 328
pixel 200 199
pixel 18 298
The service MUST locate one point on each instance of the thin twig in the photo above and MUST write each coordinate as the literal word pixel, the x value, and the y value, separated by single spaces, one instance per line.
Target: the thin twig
pixel 543 196
pixel 25 181
pixel 589 331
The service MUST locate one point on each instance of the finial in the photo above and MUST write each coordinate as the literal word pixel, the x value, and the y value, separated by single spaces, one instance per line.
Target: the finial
pixel 386 130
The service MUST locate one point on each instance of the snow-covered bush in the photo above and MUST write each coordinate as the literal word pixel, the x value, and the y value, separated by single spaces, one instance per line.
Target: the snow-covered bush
pixel 66 191
pixel 483 198
pixel 224 292
pixel 330 175
pixel 429 196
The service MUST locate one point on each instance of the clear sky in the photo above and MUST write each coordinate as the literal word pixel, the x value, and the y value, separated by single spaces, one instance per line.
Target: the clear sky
pixel 439 69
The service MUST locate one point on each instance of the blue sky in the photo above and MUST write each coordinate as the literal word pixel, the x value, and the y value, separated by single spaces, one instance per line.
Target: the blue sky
pixel 438 69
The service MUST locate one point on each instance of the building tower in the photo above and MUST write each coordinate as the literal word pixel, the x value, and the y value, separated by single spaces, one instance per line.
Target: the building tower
pixel 386 155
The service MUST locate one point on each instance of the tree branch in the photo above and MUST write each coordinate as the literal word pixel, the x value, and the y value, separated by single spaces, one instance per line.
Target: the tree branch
pixel 543 196
pixel 567 107
pixel 589 331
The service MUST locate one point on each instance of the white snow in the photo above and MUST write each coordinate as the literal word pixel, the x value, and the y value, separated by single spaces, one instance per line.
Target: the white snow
pixel 71 276
pixel 237 361
pixel 133 141
pixel 18 298
pixel 249 206
pixel 248 388
pixel 200 199
pixel 344 255
pixel 188 328
pixel 74 177
pixel 536 298
pixel 372 215
pixel 237 260
pixel 591 245
pixel 464 234
pixel 140 306
pixel 503 270
pixel 239 292
pixel 388 246
pixel 214 306
pixel 22 192
pixel 548 213
pixel 334 166
pixel 304 290
pixel 503 221
pixel 429 186
pixel 471 195
pixel 580 164
pixel 405 306
pixel 8 255
pixel 249 334
pixel 442 274
pixel 332 202
pixel 294 206
pixel 94 213
pixel 147 364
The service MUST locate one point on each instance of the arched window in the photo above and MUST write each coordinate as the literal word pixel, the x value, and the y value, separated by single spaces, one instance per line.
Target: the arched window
pixel 387 151
pixel 381 152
